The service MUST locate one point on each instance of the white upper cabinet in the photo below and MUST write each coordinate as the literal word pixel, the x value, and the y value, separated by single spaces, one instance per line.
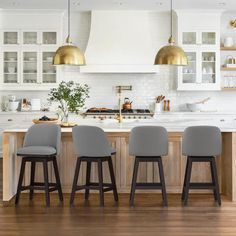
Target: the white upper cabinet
pixel 27 57
pixel 199 36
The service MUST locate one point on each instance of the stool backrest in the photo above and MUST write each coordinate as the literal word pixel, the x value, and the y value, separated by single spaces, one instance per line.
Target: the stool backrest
pixel 90 141
pixel 44 135
pixel 202 141
pixel 148 141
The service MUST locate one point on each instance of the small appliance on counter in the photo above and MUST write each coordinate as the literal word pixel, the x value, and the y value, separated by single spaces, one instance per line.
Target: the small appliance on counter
pixel 35 104
pixel 13 104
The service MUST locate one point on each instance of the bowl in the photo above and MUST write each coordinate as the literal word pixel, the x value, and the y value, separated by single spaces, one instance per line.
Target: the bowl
pixel 11 69
pixel 194 107
pixel 51 121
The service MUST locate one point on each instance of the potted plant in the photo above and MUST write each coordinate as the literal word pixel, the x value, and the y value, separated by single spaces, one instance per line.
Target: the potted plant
pixel 71 97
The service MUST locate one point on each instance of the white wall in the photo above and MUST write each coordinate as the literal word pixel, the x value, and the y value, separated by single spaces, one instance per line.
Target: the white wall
pixel 145 86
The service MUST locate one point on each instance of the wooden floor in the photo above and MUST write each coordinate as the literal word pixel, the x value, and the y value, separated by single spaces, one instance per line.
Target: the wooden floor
pixel 148 217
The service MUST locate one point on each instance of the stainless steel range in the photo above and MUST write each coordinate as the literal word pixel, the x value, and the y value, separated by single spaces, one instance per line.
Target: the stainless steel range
pixel 104 113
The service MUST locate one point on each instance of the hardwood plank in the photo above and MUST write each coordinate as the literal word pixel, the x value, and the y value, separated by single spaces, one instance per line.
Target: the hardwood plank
pixel 201 218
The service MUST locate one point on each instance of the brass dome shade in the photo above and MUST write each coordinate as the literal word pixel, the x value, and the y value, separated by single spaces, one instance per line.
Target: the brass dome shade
pixel 69 55
pixel 171 55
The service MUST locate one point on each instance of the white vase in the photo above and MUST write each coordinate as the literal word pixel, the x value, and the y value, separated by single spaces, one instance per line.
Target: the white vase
pixel 228 42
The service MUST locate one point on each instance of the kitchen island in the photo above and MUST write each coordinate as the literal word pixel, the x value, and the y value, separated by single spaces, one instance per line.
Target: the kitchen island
pixel 118 134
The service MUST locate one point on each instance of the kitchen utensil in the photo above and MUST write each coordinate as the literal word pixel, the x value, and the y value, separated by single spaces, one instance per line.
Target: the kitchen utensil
pixel 127 104
pixel 228 42
pixel 160 98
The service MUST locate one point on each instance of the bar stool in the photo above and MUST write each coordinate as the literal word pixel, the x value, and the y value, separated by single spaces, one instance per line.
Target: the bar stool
pixel 41 144
pixel 201 144
pixel 91 145
pixel 148 144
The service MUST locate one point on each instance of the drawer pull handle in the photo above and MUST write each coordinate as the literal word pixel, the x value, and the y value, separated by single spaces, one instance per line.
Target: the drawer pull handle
pixel 9 120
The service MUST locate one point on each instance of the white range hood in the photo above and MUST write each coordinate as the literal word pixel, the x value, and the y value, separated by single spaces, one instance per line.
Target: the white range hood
pixel 120 42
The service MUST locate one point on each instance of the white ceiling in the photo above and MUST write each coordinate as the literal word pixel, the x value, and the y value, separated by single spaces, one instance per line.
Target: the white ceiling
pixel 85 5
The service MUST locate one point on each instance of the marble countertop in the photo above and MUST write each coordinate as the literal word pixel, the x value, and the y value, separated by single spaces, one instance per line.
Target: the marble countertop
pixel 171 124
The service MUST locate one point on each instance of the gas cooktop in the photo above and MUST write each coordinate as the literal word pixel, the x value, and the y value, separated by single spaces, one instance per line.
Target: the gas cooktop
pixel 111 111
pixel 104 113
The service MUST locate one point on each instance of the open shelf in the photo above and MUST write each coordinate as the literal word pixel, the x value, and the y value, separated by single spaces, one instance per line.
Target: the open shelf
pixel 228 48
pixel 228 89
pixel 228 69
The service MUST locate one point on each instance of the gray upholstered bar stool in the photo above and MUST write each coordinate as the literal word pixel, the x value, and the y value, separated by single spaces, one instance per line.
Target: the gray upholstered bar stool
pixel 201 144
pixel 91 145
pixel 41 144
pixel 148 144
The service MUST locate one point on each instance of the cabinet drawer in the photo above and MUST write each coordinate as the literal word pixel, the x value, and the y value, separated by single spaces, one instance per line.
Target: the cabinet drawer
pixel 11 119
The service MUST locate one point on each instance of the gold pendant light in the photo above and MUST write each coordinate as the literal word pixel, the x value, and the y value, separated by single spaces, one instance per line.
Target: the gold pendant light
pixel 69 54
pixel 171 54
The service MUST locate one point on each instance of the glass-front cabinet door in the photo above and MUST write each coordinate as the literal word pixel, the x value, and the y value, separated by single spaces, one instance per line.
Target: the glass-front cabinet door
pixel 189 38
pixel 189 72
pixel 49 73
pixel 199 38
pixel 49 38
pixel 11 38
pixel 10 67
pixel 30 38
pixel 30 67
pixel 208 38
pixel 208 67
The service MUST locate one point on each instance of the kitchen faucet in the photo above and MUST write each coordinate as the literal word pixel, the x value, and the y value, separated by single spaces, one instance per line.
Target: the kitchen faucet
pixel 119 90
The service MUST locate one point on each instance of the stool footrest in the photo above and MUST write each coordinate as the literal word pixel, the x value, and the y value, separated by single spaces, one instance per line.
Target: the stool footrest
pixel 201 186
pixel 39 187
pixel 148 185
pixel 95 186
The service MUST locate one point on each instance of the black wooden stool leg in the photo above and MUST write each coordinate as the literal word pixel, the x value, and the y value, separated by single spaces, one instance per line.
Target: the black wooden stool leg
pixel 19 187
pixel 184 184
pixel 57 177
pixel 162 180
pixel 188 178
pixel 46 182
pixel 100 180
pixel 215 176
pixel 32 176
pixel 213 180
pixel 113 181
pixel 88 174
pixel 134 180
pixel 74 186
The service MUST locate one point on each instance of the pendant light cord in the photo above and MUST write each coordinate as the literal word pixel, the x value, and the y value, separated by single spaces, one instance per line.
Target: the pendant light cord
pixel 171 18
pixel 68 18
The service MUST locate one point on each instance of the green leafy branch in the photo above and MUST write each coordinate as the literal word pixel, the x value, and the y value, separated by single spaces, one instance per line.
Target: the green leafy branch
pixel 70 95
